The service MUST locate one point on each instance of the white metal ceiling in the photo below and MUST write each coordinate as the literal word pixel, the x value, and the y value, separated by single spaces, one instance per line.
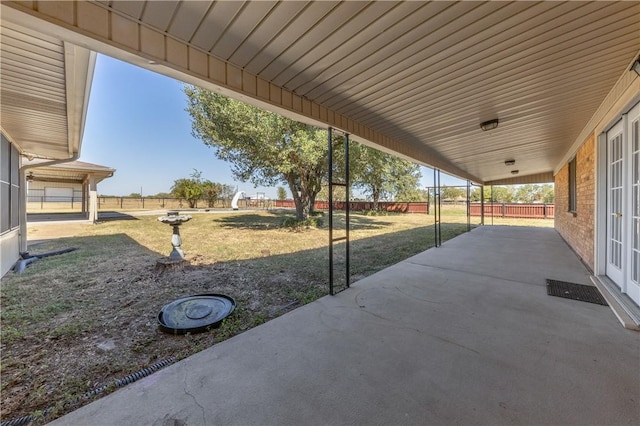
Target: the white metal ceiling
pixel 428 73
pixel 44 89
pixel 33 95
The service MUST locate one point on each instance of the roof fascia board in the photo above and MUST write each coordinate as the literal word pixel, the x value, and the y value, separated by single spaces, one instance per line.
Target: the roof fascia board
pixel 79 68
pixel 525 179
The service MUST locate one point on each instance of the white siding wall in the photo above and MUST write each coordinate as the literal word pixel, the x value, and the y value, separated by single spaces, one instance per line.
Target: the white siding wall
pixel 9 205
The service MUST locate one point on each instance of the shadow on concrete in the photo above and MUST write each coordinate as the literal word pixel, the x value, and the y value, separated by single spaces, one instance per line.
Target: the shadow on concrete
pixel 56 217
pixel 111 215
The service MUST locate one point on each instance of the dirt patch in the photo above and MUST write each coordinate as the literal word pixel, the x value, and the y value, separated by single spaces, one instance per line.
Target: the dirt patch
pixel 100 327
pixel 37 232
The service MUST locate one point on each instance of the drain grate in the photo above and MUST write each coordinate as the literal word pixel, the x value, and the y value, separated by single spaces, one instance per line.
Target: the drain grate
pixel 584 293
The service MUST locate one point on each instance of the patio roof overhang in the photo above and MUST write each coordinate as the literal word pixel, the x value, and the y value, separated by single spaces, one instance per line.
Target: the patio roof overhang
pixel 45 89
pixel 413 78
pixel 74 172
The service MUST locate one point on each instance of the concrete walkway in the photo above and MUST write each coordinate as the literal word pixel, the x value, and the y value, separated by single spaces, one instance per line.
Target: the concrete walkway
pixel 462 334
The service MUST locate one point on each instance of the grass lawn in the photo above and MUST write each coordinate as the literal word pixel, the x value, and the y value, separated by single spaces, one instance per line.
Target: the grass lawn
pixel 79 321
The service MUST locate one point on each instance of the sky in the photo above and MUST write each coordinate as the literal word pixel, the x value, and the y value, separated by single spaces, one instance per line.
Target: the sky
pixel 137 124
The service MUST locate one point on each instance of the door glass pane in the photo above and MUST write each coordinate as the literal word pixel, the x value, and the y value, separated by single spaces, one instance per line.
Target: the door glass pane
pixel 616 197
pixel 635 204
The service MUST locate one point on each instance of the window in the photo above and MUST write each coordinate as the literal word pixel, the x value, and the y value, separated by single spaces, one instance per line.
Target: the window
pixel 9 186
pixel 572 186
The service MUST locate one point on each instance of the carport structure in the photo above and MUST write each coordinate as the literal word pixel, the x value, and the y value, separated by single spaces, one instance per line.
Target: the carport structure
pixel 413 78
pixel 69 175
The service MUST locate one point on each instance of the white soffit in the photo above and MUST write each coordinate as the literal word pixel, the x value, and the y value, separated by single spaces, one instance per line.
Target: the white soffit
pixel 424 74
pixel 427 73
pixel 44 91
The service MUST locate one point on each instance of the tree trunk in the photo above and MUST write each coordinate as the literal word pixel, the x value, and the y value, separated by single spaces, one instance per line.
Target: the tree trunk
pixel 376 199
pixel 301 198
pixel 303 205
pixel 312 202
pixel 302 209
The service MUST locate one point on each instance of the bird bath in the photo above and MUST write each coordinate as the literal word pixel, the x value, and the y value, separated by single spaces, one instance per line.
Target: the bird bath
pixel 176 257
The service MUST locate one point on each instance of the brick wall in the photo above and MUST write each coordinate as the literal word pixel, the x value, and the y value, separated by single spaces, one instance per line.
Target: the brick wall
pixel 578 229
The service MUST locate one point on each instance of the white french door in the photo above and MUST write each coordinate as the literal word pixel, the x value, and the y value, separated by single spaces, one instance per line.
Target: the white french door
pixel 615 200
pixel 633 212
pixel 623 204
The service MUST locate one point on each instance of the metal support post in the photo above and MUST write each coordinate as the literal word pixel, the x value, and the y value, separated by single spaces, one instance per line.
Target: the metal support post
pixel 332 184
pixel 468 205
pixel 482 204
pixel 492 200
pixel 437 206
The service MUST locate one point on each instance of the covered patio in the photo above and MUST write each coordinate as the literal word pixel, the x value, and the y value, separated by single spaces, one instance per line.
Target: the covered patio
pixel 491 92
pixel 462 334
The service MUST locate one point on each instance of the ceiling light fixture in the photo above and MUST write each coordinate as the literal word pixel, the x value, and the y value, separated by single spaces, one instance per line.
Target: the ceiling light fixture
pixel 515 172
pixel 489 125
pixel 509 162
pixel 636 66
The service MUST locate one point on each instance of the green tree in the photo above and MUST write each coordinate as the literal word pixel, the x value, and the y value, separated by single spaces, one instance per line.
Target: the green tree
pixel 475 194
pixel 534 193
pixel 263 148
pixel 547 193
pixel 189 189
pixel 412 195
pixel 381 175
pixel 502 194
pixel 452 192
pixel 282 193
pixel 211 192
pixel 163 195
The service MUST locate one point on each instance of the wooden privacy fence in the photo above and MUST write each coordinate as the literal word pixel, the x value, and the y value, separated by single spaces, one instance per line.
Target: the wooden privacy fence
pixel 515 210
pixel 418 207
pixel 507 210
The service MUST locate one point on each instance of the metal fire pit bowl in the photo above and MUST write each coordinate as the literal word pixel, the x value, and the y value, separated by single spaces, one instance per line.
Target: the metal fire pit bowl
pixel 195 314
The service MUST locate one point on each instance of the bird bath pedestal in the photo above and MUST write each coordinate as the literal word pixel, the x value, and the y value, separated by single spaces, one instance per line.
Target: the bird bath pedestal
pixel 176 257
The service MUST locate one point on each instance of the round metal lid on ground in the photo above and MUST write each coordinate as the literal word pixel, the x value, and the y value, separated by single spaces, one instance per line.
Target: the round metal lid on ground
pixel 194 314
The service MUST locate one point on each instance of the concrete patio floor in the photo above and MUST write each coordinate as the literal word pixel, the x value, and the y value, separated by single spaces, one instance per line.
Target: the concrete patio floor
pixel 462 334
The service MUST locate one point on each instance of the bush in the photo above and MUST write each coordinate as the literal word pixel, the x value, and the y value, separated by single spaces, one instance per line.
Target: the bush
pixel 375 213
pixel 299 225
